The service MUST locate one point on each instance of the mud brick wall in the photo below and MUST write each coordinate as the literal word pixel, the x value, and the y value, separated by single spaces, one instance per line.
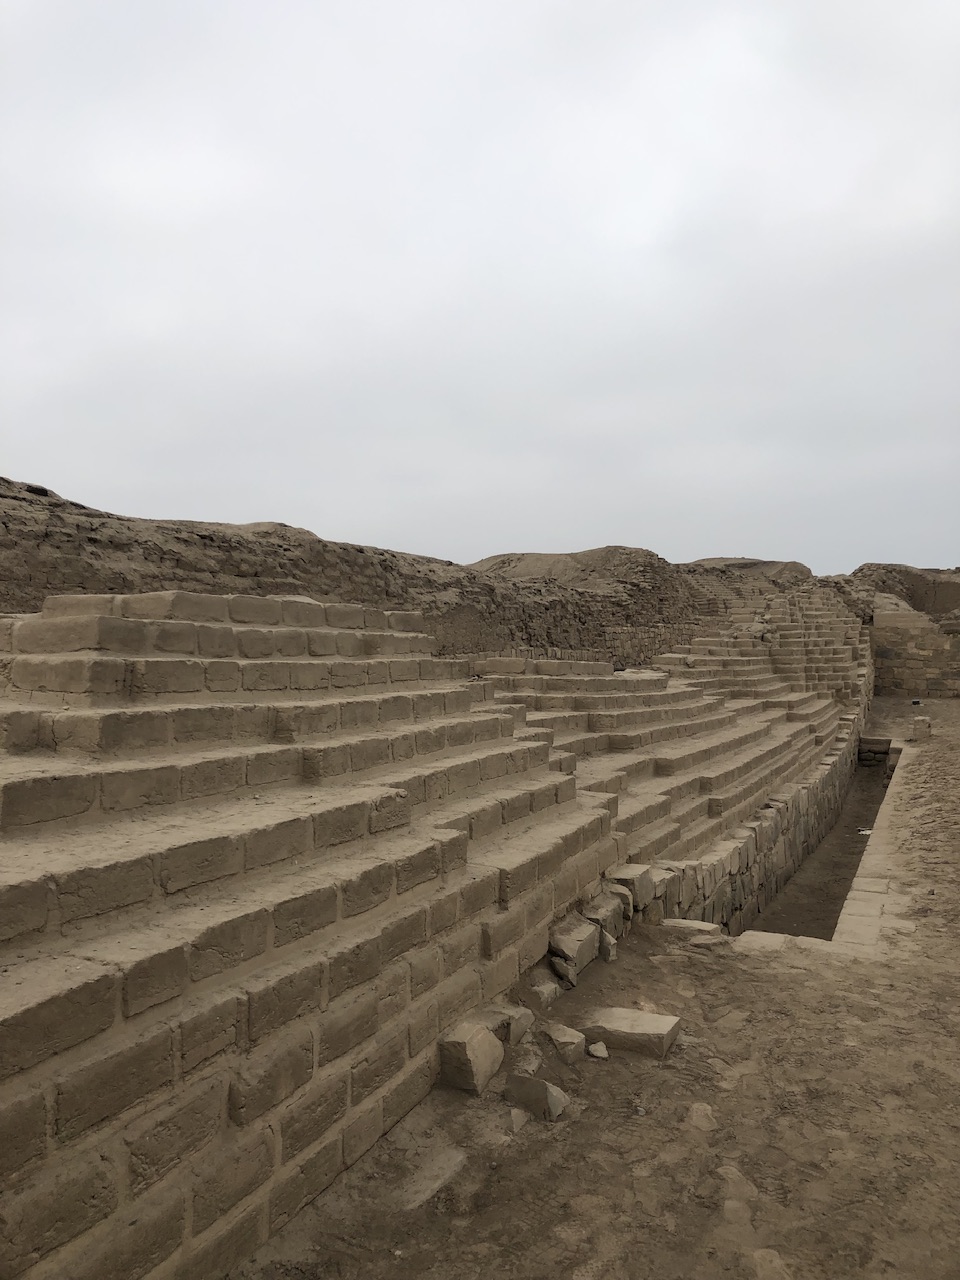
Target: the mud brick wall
pixel 916 663
pixel 50 545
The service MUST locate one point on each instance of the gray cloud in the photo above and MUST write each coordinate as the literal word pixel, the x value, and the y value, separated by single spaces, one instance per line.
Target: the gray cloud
pixel 480 277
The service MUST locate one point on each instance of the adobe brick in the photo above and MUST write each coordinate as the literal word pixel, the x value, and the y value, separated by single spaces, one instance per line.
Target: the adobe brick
pixel 361 1131
pixel 502 930
pixel 199 862
pixel 416 868
pixel 166 675
pixel 337 826
pixel 208 1032
pixel 269 1075
pixel 92 891
pixel 273 765
pixel 380 1065
pixel 496 976
pixel 403 746
pixel 534 945
pixel 390 811
pixel 222 1248
pixel 194 606
pixel 452 846
pixel 255 642
pixel 191 724
pixel 265 677
pixel 350 645
pixel 444 911
pixel 51 1209
pixel 133 1242
pixel 423 1026
pixel 480 889
pixel 23 1131
pixel 159 1142
pixel 69 675
pixel 222 677
pixel 325 762
pixel 304 1183
pixel 224 945
pixel 106 1087
pixel 158 977
pixel 457 995
pixel 425 968
pixel 299 611
pixel 460 948
pixel 278 998
pixel 172 637
pixel 216 642
pixel 26 801
pixel 366 889
pixel 254 610
pixel 135 788
pixel 229 1175
pixel 65 1002
pixel 359 713
pixel 215 777
pixel 289 839
pixel 406 1093
pixel 393 991
pixel 354 963
pixel 306 1119
pixel 309 676
pixel 403 933
pixel 24 908
pixel 303 914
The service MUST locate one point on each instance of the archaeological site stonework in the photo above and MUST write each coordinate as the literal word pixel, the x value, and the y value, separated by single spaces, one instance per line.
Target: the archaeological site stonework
pixel 293 830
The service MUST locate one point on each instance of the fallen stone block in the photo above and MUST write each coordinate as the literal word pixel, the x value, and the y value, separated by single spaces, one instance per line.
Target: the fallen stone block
pixel 626 902
pixel 690 926
pixel 638 880
pixel 606 910
pixel 575 940
pixel 569 1044
pixel 634 1029
pixel 508 1022
pixel 470 1056
pixel 564 969
pixel 599 1050
pixel 542 1099
pixel 543 989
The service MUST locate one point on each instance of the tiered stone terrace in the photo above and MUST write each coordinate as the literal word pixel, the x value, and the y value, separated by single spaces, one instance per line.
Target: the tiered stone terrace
pixel 258 853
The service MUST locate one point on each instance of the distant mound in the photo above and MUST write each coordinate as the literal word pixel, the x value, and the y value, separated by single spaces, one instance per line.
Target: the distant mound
pixel 602 568
pixel 782 573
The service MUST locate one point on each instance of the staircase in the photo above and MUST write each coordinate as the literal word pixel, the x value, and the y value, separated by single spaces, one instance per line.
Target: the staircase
pixel 258 853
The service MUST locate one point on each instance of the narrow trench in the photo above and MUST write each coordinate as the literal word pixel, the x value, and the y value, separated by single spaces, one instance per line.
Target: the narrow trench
pixel 810 903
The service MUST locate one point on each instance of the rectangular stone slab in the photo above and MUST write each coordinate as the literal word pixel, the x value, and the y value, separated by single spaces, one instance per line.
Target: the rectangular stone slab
pixel 634 1029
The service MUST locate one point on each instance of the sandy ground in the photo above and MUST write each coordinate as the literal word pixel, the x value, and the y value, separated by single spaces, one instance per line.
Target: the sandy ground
pixel 806 1126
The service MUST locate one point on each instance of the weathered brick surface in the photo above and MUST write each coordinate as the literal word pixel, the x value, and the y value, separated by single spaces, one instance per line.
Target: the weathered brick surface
pixel 237 1168
pixel 51 1209
pixel 109 1085
pixel 157 1144
pixel 269 1075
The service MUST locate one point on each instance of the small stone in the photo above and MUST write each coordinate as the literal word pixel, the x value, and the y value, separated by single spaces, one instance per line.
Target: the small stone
pixel 518 1118
pixel 599 1050
pixel 470 1056
pixel 569 1044
pixel 608 947
pixel 635 1029
pixel 527 1058
pixel 542 1099
pixel 700 1116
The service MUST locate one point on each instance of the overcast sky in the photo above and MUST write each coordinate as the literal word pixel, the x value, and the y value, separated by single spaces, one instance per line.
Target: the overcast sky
pixel 471 276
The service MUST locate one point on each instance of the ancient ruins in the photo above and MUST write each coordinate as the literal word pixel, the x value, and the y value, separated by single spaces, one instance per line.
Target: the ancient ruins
pixel 291 830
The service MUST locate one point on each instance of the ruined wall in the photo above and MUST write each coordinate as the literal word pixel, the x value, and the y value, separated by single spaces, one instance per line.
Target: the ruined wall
pixel 49 544
pixel 916 662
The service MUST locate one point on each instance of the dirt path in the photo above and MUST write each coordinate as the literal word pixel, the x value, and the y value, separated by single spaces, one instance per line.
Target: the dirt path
pixel 805 1127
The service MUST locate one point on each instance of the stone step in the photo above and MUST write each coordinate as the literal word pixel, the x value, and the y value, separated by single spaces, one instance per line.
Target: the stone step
pixel 36 792
pixel 132 636
pixel 109 730
pixel 702 749
pixel 520 667
pixel 270 611
pixel 56 679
